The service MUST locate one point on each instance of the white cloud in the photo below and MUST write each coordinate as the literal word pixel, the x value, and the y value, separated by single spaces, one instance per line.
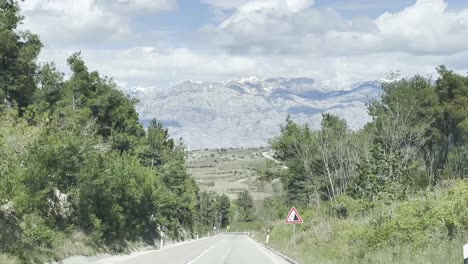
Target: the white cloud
pixel 289 38
pixel 425 28
pixel 287 27
pixel 137 7
pixel 65 23
pixel 148 66
pixel 145 66
pixel 225 4
pixel 234 4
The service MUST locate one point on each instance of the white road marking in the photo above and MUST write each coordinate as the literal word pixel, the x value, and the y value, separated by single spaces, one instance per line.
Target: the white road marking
pixel 121 258
pixel 203 253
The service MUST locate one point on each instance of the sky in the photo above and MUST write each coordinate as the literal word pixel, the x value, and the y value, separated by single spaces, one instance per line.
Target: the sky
pixel 160 43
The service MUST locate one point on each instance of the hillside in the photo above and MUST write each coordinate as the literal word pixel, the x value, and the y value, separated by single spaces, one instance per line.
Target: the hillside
pixel 230 171
pixel 247 112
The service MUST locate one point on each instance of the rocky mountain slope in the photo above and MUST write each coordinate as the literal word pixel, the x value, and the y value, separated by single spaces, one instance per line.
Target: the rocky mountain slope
pixel 247 112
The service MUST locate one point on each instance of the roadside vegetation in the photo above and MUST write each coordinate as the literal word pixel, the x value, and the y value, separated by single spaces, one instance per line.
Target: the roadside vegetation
pixel 78 173
pixel 393 192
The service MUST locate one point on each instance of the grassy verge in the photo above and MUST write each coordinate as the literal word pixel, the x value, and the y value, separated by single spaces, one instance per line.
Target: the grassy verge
pixel 68 245
pixel 430 227
pixel 61 246
pixel 7 259
pixel 342 249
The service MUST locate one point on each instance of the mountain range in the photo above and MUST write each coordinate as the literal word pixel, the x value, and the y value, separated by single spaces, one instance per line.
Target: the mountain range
pixel 248 112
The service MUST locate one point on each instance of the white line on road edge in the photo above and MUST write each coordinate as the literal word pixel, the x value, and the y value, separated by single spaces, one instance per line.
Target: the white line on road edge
pixel 265 251
pixel 281 255
pixel 203 253
pixel 120 258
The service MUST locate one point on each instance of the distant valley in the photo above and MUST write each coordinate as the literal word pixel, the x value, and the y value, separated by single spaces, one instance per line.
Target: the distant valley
pixel 248 112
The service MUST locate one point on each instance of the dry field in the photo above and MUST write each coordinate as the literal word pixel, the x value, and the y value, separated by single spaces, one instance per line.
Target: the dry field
pixel 230 171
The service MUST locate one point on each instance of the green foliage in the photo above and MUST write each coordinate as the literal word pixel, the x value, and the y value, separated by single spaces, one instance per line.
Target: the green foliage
pixel 417 137
pixel 380 187
pixel 75 160
pixel 418 222
pixel 452 117
pixel 224 206
pixel 117 197
pixel 457 166
pixel 50 86
pixel 297 180
pixel 18 53
pixel 115 114
pixel 428 227
pixel 157 146
pixel 272 208
pixel 213 209
pixel 383 174
pixel 320 163
pixel 245 206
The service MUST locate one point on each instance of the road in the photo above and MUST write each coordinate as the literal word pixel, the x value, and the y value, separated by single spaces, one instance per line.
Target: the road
pixel 268 155
pixel 221 249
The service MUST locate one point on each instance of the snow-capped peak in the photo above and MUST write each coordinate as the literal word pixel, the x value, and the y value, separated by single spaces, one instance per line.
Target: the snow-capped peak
pixel 251 79
pixel 195 82
pixel 247 112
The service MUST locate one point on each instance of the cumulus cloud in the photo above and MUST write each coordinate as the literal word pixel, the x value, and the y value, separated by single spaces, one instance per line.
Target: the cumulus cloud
pixel 225 4
pixel 137 7
pixel 149 67
pixel 234 4
pixel 290 38
pixel 425 28
pixel 286 27
pixel 65 23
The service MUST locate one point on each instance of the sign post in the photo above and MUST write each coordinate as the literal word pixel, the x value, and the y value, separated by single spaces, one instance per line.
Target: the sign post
pixel 293 218
pixel 294 236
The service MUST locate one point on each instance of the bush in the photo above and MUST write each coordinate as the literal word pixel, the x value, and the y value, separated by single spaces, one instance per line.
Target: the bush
pixel 419 221
pixel 10 231
pixel 429 227
pixel 457 165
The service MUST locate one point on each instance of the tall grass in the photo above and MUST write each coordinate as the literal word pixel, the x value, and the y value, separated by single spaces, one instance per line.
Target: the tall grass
pixel 430 227
pixel 6 259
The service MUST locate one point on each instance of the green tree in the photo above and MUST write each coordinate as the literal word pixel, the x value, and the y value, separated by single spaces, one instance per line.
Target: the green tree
pixel 245 206
pixel 50 86
pixel 403 123
pixel 320 163
pixel 293 147
pixel 224 208
pixel 114 112
pixel 452 116
pixel 18 54
pixel 156 147
pixel 383 174
pixel 207 208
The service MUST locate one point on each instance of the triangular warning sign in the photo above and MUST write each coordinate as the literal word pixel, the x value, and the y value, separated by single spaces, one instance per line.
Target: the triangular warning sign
pixel 293 217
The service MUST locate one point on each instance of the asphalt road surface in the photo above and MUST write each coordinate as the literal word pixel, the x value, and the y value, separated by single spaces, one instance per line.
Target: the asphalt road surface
pixel 221 249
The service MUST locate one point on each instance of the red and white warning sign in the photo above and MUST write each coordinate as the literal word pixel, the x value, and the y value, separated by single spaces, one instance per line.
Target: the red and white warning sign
pixel 293 217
